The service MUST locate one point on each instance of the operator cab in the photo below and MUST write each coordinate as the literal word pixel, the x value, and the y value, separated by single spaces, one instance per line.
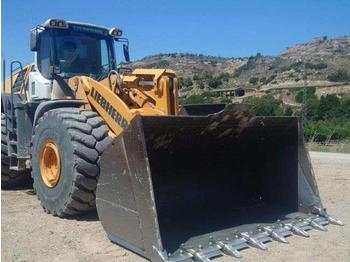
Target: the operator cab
pixel 65 49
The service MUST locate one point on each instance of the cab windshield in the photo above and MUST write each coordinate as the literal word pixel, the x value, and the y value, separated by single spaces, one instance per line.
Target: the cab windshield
pixel 80 51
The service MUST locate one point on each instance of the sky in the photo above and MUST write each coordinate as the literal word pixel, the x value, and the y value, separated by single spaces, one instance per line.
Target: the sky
pixel 235 28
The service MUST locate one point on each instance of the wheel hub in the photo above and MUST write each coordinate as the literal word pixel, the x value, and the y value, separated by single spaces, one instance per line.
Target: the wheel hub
pixel 50 163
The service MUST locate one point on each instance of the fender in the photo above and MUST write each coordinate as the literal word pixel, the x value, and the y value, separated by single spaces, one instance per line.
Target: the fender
pixel 53 104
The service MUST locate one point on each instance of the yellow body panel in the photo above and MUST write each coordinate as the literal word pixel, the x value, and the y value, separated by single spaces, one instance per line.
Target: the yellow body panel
pixel 120 98
pixel 143 92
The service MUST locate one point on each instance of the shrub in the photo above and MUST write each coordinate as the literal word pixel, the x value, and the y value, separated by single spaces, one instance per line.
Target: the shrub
pixel 224 77
pixel 329 107
pixel 186 82
pixel 318 66
pixel 327 130
pixel 310 93
pixel 226 100
pixel 196 78
pixel 200 84
pixel 288 111
pixel 214 83
pixel 340 75
pixel 253 80
pixel 266 105
pixel 271 78
pixel 204 98
pixel 294 66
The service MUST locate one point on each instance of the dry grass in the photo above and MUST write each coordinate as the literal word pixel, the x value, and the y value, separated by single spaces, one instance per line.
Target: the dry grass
pixel 330 146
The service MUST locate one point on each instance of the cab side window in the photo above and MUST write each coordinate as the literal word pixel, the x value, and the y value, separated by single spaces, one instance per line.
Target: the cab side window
pixel 44 54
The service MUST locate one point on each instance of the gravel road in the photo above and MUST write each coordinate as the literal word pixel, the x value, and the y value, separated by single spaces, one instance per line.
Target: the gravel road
pixel 29 234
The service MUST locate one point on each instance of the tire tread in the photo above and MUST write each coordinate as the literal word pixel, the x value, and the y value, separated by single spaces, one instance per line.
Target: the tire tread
pixel 88 134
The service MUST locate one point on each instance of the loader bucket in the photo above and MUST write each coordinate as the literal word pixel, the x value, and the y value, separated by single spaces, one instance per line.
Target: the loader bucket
pixel 199 187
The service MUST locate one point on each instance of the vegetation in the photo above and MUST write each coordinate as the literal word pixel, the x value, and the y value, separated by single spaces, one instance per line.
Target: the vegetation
pixel 224 77
pixel 310 94
pixel 206 78
pixel 186 55
pixel 226 100
pixel 328 118
pixel 204 98
pixel 185 82
pixel 266 106
pixel 295 66
pixel 318 66
pixel 270 79
pixel 160 64
pixel 339 76
pixel 214 83
pixel 251 63
pixel 253 80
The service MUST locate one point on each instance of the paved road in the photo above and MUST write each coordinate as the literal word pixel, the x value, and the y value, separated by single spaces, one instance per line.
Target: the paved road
pixel 29 234
pixel 330 156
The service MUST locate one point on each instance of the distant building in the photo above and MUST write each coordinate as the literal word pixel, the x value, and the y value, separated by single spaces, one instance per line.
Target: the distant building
pixel 228 92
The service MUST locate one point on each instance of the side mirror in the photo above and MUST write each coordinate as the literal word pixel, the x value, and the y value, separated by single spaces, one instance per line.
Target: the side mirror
pixel 126 52
pixel 34 40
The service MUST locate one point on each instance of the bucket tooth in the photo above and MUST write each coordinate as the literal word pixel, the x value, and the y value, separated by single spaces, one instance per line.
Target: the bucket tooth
pixel 227 249
pixel 253 242
pixel 198 257
pixel 322 212
pixel 297 230
pixel 274 235
pixel 316 225
pixel 334 221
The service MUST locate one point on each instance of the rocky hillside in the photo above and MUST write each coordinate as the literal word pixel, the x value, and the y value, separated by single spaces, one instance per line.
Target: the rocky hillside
pixel 325 61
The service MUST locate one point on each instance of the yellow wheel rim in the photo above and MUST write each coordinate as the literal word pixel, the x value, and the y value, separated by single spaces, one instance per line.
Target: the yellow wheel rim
pixel 50 163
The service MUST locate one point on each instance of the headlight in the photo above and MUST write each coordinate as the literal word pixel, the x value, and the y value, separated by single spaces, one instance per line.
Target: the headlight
pixel 56 23
pixel 115 32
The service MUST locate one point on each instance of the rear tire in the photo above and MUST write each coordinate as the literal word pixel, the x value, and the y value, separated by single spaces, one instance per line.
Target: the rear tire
pixel 9 178
pixel 81 137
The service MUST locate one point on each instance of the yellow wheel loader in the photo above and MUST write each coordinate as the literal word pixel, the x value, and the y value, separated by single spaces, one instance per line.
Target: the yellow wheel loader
pixel 170 183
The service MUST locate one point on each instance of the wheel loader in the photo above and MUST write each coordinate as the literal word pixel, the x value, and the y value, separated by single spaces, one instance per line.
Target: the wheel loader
pixel 170 183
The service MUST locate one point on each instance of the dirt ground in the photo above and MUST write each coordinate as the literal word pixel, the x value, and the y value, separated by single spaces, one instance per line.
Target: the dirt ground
pixel 29 234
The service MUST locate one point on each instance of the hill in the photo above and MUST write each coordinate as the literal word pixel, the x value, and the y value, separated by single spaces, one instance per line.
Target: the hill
pixel 325 61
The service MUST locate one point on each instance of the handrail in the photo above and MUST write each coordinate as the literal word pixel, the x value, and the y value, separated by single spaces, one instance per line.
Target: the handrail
pixel 19 66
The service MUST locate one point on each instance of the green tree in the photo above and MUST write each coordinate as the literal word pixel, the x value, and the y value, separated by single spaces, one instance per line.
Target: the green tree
pixel 288 111
pixel 214 83
pixel 338 76
pixel 196 78
pixel 312 104
pixel 253 80
pixel 200 83
pixel 204 98
pixel 266 105
pixel 186 81
pixel 224 77
pixel 345 108
pixel 329 107
pixel 310 94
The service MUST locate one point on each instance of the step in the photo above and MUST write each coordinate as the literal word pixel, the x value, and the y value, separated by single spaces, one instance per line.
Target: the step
pixel 13 142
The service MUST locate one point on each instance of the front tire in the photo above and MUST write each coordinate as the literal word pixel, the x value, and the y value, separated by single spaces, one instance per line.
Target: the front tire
pixel 65 180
